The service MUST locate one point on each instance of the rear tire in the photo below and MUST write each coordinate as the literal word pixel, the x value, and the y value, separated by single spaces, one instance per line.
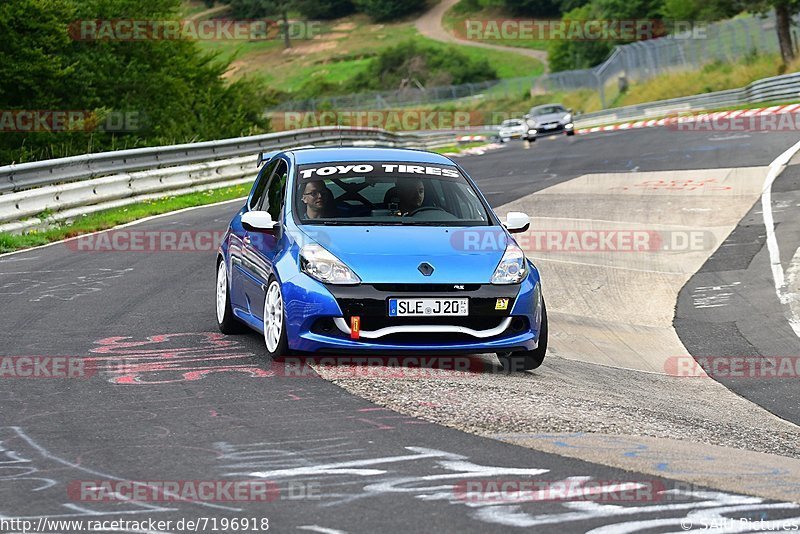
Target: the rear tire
pixel 226 320
pixel 528 359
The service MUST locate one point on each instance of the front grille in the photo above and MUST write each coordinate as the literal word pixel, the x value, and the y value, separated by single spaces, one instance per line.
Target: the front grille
pixel 519 324
pixel 474 322
pixel 550 127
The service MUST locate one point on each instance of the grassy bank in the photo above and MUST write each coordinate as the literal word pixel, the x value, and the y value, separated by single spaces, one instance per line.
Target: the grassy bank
pixel 712 77
pixel 340 49
pixel 455 21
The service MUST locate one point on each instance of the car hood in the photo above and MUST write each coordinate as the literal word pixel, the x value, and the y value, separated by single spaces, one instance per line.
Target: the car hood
pixel 549 117
pixel 392 254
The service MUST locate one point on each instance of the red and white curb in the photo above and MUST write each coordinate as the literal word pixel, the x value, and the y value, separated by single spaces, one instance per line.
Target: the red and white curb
pixel 695 118
pixel 474 151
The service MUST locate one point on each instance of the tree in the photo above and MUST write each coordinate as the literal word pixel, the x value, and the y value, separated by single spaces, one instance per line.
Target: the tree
pixel 700 10
pixel 257 9
pixel 324 9
pixel 385 10
pixel 784 11
pixel 176 91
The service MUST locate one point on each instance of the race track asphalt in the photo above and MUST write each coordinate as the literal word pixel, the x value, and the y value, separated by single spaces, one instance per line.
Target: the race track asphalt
pixel 174 400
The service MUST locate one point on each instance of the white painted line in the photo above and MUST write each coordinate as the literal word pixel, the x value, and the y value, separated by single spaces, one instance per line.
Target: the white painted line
pixel 323 530
pixel 775 169
pixel 132 223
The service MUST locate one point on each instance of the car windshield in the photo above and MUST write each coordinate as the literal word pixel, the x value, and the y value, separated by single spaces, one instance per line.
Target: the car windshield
pixel 378 193
pixel 512 122
pixel 546 110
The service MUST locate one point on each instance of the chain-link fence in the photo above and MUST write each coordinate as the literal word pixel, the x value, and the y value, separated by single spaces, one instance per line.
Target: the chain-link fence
pixel 412 96
pixel 722 41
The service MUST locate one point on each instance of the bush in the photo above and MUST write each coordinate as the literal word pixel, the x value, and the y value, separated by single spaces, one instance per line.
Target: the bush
pixel 385 10
pixel 411 62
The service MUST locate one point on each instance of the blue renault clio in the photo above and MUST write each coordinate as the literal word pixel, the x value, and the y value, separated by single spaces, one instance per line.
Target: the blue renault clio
pixel 373 250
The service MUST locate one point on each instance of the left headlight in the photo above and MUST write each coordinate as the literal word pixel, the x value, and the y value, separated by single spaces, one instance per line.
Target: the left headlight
pixel 321 265
pixel 511 269
pixel 567 118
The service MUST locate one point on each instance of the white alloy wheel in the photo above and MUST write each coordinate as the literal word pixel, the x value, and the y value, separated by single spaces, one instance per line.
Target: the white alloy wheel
pixel 222 291
pixel 273 317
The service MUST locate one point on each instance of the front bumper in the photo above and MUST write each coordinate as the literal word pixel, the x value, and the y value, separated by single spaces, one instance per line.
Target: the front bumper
pixel 555 130
pixel 322 322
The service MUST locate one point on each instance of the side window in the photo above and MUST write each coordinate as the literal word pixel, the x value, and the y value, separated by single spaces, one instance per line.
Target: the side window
pixel 261 186
pixel 273 200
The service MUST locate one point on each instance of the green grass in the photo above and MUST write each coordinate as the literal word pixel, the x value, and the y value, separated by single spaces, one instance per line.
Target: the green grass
pixel 712 77
pixel 342 49
pixel 103 220
pixel 192 7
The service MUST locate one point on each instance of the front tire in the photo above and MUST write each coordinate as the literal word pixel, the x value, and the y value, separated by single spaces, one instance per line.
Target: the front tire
pixel 528 359
pixel 275 337
pixel 226 320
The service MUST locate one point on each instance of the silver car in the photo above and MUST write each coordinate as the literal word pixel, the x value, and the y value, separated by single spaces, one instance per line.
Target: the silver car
pixel 512 129
pixel 549 119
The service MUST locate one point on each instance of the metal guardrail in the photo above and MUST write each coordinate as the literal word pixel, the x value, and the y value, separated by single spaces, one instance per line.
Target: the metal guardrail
pixel 68 187
pixel 785 88
pixel 26 175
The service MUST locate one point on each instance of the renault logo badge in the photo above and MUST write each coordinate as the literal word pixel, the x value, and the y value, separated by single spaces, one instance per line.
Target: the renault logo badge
pixel 425 268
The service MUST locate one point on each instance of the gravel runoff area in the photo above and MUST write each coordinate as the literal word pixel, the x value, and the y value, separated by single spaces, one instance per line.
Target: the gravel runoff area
pixel 567 396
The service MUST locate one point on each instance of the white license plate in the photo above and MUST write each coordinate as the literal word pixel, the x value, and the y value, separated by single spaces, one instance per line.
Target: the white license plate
pixel 428 307
pixel 549 126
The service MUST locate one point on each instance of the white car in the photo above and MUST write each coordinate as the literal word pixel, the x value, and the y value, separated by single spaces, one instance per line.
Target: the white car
pixel 512 129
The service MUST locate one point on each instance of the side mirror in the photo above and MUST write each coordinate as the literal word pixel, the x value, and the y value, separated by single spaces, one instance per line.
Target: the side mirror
pixel 258 221
pixel 517 222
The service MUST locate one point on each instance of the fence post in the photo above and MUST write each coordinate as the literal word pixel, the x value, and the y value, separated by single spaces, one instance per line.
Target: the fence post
pixel 601 89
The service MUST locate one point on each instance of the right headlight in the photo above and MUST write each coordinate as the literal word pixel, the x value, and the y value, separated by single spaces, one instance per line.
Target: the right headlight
pixel 321 265
pixel 511 269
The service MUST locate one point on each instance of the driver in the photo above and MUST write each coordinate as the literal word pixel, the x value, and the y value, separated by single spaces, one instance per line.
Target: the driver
pixel 317 199
pixel 411 194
